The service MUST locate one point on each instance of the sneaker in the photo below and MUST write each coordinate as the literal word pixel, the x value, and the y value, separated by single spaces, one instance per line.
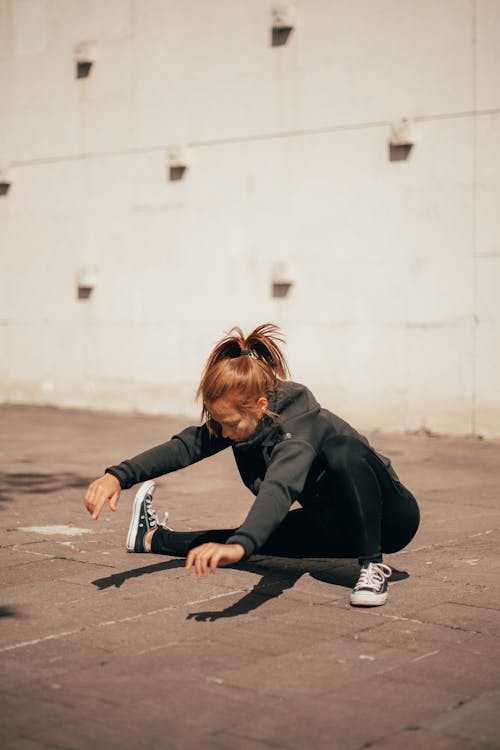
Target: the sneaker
pixel 371 588
pixel 143 517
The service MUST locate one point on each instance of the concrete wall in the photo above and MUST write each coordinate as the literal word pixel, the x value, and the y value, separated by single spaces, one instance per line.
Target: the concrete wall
pixel 394 316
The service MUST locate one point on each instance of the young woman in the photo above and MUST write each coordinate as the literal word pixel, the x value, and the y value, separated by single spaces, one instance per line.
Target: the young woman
pixel 287 448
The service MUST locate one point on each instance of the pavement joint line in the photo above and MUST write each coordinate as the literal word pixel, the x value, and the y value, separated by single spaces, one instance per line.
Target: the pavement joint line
pixel 431 622
pixel 263 743
pixel 20 548
pixel 425 656
pixel 35 641
pixel 448 542
pixel 163 645
pixel 395 667
pixel 106 623
pixel 400 617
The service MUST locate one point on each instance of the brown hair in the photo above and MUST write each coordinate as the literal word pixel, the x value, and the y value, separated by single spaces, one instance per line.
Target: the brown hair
pixel 249 367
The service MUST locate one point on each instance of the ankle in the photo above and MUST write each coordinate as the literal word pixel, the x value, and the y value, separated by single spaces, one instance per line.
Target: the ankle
pixel 147 540
pixel 364 562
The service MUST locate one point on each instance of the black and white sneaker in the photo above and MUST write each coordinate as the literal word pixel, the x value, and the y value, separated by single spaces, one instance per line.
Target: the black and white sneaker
pixel 371 588
pixel 143 519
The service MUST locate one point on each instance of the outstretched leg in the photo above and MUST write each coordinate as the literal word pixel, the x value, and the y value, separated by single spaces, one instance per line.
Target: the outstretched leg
pixel 297 536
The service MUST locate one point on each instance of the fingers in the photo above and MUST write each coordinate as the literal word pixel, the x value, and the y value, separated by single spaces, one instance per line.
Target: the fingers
pixel 189 559
pixel 207 557
pixel 106 488
pixel 216 558
pixel 99 505
pixel 202 560
pixel 94 504
pixel 113 501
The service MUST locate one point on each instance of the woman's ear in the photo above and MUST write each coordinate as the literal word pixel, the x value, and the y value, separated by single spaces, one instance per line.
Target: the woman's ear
pixel 263 403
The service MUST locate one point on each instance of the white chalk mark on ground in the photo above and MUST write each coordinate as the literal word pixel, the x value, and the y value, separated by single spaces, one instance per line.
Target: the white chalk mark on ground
pixel 425 656
pixel 106 623
pixel 26 551
pixel 56 530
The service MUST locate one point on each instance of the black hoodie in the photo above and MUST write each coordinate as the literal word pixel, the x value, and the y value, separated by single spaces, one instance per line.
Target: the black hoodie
pixel 281 457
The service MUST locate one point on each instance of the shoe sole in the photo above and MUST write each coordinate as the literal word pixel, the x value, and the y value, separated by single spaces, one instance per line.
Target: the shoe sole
pixel 368 600
pixel 146 489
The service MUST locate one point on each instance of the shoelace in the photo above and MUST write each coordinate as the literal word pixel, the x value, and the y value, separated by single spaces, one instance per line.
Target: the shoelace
pixel 373 575
pixel 150 511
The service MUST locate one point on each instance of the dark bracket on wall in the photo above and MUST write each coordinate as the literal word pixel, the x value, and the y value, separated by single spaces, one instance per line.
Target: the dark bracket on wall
pixel 279 35
pixel 400 151
pixel 83 68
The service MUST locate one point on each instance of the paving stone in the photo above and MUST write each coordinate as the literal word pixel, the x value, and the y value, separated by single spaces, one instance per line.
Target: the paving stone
pixel 227 740
pixel 23 743
pixel 416 738
pixel 45 569
pixel 49 662
pixel 418 636
pixel 354 719
pixel 155 625
pixel 454 669
pixel 313 668
pixel 465 617
pixel 477 719
pixel 333 618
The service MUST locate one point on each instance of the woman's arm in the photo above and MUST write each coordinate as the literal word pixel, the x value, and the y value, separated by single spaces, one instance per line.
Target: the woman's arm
pixel 189 446
pixel 284 481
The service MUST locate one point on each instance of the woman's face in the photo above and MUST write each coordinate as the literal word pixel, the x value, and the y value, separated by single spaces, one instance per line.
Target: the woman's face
pixel 235 423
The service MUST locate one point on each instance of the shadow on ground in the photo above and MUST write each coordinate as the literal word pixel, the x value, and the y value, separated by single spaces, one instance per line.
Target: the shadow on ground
pixel 38 483
pixel 6 611
pixel 278 576
pixel 118 579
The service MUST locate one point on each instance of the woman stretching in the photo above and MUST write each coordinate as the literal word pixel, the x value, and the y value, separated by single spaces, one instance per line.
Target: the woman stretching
pixel 286 448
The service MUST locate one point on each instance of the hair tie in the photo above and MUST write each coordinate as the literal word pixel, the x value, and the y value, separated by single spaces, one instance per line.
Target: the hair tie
pixel 246 351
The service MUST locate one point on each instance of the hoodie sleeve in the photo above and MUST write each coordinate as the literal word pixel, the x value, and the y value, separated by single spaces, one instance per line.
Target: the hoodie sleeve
pixel 283 483
pixel 186 448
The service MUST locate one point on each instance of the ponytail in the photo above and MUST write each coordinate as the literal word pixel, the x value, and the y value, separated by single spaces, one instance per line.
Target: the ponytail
pixel 248 366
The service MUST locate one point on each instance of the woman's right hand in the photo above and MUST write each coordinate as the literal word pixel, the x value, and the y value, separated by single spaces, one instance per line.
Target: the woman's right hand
pixel 99 492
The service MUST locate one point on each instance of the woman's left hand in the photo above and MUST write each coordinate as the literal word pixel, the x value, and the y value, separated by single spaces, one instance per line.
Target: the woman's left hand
pixel 208 556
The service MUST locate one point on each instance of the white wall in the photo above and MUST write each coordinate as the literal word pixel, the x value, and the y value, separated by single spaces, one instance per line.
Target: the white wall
pixel 394 317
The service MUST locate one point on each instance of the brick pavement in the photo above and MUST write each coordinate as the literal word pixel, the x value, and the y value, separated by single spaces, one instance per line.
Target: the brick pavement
pixel 102 649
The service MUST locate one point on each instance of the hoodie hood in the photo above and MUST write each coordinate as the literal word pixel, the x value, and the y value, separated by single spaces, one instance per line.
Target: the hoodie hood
pixel 290 402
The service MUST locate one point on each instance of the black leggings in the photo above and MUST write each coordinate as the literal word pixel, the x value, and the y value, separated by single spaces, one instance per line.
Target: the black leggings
pixel 353 508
